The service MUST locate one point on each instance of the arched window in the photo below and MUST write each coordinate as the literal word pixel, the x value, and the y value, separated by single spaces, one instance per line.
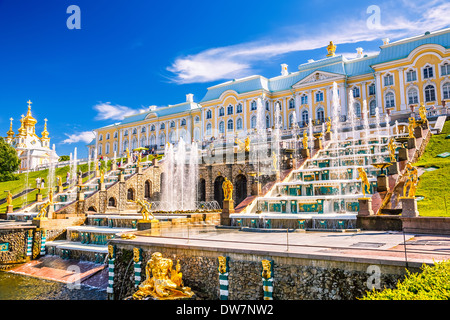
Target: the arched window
pixel 143 129
pixel 388 80
pixel 389 98
pixel 208 114
pixel 230 109
pixel 319 96
pixel 430 93
pixel 253 106
pixel 126 133
pixel 134 131
pixel 99 149
pixel 446 91
pixel 230 124
pixel 372 107
pixel 304 99
pixel 100 138
pixel 221 127
pixel 172 124
pixel 320 115
pixel 125 144
pixel 278 105
pixel 239 108
pixel 445 69
pixel 372 89
pixel 172 137
pixel 143 142
pixel 152 128
pixel 107 136
pixel 197 119
pixel 196 134
pixel 305 118
pixel 152 141
pixel 355 91
pixel 162 126
pixel 239 124
pixel 267 106
pixel 357 107
pixel 428 72
pixel 115 134
pixel 411 75
pixel 107 148
pixel 221 111
pixel 267 121
pixel 291 120
pixel 111 202
pixel 115 146
pixel 134 143
pixel 413 96
pixel 183 122
pixel 162 139
pixel 130 194
pixel 208 129
pixel 253 122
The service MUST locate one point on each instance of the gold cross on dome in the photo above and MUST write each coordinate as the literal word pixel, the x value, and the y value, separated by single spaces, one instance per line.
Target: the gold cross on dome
pixel 29 103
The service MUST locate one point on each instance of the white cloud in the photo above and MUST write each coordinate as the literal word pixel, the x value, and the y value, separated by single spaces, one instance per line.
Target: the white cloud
pixel 85 136
pixel 239 60
pixel 107 111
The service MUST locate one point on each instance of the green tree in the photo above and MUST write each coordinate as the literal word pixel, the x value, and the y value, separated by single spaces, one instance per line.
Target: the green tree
pixel 64 158
pixel 9 161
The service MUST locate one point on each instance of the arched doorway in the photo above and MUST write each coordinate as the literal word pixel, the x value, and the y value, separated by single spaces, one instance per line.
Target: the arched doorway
pixel 218 191
pixel 240 187
pixel 111 202
pixel 130 194
pixel 201 190
pixel 92 209
pixel 148 189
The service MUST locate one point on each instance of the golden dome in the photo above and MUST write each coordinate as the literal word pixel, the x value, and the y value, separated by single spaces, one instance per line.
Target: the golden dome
pixel 10 133
pixel 45 132
pixel 22 130
pixel 29 121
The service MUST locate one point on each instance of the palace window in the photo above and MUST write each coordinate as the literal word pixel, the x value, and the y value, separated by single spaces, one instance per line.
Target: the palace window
pixel 446 91
pixel 253 122
pixel 107 136
pixel 291 104
pixel 172 124
pixel 267 106
pixel 372 107
pixel 230 109
pixel 208 129
pixel 304 99
pixel 163 126
pixel 239 124
pixel 445 69
pixel 320 115
pixel 162 139
pixel 100 138
pixel 388 80
pixel 221 127
pixel 208 114
pixel 115 147
pixel 291 120
pixel 428 72
pixel 239 108
pixel 152 128
pixel 143 130
pixel 413 96
pixel 372 89
pixel 389 98
pixel 197 119
pixel 430 93
pixel 357 107
pixel 411 76
pixel 356 92
pixel 115 134
pixel 99 149
pixel 230 125
pixel 183 122
pixel 305 118
pixel 253 106
pixel 221 111
pixel 319 96
pixel 278 105
pixel 134 131
pixel 267 121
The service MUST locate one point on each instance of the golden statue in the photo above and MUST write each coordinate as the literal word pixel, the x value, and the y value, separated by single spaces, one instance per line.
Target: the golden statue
pixel 240 144
pixel 146 207
pixel 328 125
pixel 136 254
pixel 305 140
pixel 43 211
pixel 392 147
pixel 412 176
pixel 365 185
pixel 227 187
pixel 127 151
pixel 247 144
pixel 411 125
pixel 331 49
pixel 110 251
pixel 266 265
pixel 9 198
pixel 102 176
pixel 274 160
pixel 162 283
pixel 222 264
pixel 423 113
pixel 139 159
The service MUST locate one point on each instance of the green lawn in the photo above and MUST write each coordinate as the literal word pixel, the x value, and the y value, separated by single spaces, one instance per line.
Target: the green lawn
pixel 434 186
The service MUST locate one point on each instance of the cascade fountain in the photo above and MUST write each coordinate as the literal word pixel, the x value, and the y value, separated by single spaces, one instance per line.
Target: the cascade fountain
pixel 74 166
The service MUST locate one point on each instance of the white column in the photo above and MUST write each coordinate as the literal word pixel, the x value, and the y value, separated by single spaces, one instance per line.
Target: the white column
pixel 329 94
pixel 244 111
pixel 401 76
pixel 363 91
pixel 378 91
pixel 285 109
pixel 310 101
pixel 297 105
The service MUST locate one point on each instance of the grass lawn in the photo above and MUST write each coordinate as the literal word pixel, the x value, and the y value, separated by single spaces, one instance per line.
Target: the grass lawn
pixel 434 186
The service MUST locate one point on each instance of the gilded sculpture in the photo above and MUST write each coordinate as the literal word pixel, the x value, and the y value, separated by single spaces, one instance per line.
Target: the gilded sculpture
pixel 102 176
pixel 423 113
pixel 365 185
pixel 274 160
pixel 240 144
pixel 411 125
pixel 305 140
pixel 136 254
pixel 331 48
pixel 162 283
pixel 392 148
pixel 146 207
pixel 43 211
pixel 267 269
pixel 247 144
pixel 227 187
pixel 412 177
pixel 222 264
pixel 9 198
pixel 328 125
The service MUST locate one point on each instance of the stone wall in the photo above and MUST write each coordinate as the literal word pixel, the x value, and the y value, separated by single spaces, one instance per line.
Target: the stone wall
pixel 16 237
pixel 295 277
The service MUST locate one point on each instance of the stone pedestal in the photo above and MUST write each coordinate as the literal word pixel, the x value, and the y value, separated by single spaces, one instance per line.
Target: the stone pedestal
pixel 409 207
pixel 50 211
pixel 403 154
pixel 327 136
pixel 305 153
pixel 121 177
pixel 9 208
pixel 155 162
pixel 411 144
pixel 418 132
pixel 393 169
pixel 80 196
pixel 147 224
pixel 39 197
pixel 138 169
pixel 97 173
pixel 318 144
pixel 256 188
pixel 59 189
pixel 228 207
pixel 114 166
pixel 80 180
pixel 365 207
pixel 382 183
pixel 101 186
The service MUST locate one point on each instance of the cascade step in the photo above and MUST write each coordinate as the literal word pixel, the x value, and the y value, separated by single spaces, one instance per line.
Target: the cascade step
pixel 77 250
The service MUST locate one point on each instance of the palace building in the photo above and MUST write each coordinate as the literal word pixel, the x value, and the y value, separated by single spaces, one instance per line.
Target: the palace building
pixel 32 150
pixel 398 79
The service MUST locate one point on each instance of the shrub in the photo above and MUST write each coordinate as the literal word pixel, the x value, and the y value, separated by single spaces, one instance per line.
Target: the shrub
pixel 433 283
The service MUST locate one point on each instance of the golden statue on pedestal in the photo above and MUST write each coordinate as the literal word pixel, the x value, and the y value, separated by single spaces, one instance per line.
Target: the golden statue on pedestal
pixel 423 113
pixel 43 211
pixel 267 266
pixel 412 177
pixel 146 207
pixel 240 144
pixel 411 125
pixel 247 144
pixel 102 176
pixel 274 160
pixel 365 185
pixel 392 148
pixel 331 48
pixel 227 187
pixel 328 125
pixel 305 140
pixel 162 283
pixel 9 198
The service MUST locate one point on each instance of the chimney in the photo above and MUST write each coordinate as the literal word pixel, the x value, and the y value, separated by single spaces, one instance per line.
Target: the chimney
pixel 189 97
pixel 284 69
pixel 385 41
pixel 359 52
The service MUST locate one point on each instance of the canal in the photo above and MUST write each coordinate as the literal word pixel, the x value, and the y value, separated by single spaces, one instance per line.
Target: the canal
pixel 20 287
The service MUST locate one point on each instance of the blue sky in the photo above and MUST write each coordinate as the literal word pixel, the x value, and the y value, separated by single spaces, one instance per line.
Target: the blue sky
pixel 129 55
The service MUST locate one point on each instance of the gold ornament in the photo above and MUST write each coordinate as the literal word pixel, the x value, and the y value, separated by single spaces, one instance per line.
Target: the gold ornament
pixel 227 187
pixel 266 265
pixel 364 180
